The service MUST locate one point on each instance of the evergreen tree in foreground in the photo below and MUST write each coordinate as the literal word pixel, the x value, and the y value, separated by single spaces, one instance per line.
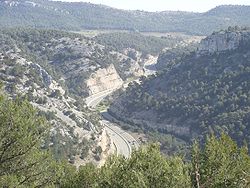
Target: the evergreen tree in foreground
pixel 22 163
pixel 220 164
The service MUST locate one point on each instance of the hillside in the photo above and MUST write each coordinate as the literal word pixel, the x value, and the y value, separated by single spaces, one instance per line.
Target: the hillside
pixel 94 96
pixel 207 90
pixel 79 16
pixel 75 131
pixel 144 44
pixel 57 70
pixel 53 70
pixel 169 57
pixel 73 60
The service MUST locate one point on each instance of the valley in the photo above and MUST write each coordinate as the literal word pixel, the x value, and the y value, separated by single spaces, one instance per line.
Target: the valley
pixel 185 100
pixel 78 67
pixel 56 70
pixel 123 142
pixel 93 96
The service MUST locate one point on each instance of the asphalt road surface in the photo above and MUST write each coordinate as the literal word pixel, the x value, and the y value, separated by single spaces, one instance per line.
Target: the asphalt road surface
pixel 123 141
pixel 93 100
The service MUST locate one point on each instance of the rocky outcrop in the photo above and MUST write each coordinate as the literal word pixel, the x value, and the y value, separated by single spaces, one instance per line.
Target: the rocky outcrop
pixel 129 65
pixel 103 79
pixel 47 79
pixel 222 41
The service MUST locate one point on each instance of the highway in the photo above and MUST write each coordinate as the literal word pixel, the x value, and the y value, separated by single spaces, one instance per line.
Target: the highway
pixel 121 144
pixel 149 68
pixel 93 100
pixel 123 141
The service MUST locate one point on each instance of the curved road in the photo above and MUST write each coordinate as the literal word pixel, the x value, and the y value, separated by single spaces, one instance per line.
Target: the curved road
pixel 121 144
pixel 122 140
pixel 93 100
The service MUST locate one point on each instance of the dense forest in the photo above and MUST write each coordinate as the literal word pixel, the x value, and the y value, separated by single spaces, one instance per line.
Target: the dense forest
pixel 220 163
pixel 194 96
pixel 79 16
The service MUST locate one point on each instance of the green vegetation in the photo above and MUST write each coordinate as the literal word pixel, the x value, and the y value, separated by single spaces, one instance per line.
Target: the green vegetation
pixel 25 78
pixel 22 163
pixel 219 163
pixel 60 54
pixel 103 105
pixel 144 44
pixel 170 57
pixel 78 16
pixel 169 144
pixel 197 95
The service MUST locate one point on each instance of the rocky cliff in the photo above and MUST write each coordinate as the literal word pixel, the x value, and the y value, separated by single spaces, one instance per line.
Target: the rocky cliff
pixel 222 41
pixel 103 79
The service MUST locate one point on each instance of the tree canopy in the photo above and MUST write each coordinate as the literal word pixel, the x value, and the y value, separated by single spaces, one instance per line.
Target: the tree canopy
pixel 218 163
pixel 22 162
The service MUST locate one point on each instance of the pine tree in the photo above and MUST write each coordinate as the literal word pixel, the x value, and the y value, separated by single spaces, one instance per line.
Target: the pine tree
pixel 22 163
pixel 220 164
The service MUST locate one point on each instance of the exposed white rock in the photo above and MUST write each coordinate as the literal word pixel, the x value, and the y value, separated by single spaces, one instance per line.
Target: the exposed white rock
pixel 220 41
pixel 32 3
pixel 103 79
pixel 149 65
pixel 55 86
pixel 11 3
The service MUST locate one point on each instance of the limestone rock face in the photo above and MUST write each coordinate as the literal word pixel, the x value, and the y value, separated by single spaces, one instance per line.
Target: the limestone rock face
pixel 103 79
pixel 221 41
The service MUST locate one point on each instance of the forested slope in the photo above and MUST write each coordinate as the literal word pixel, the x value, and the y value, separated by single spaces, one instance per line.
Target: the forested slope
pixel 134 40
pixel 78 16
pixel 207 90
